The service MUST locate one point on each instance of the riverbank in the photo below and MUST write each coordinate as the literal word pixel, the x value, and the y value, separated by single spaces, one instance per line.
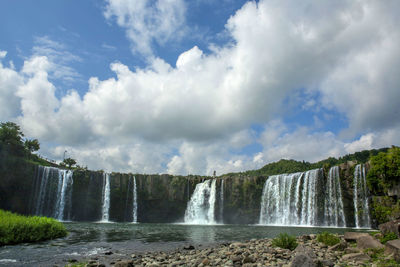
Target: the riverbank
pixel 16 228
pixel 354 249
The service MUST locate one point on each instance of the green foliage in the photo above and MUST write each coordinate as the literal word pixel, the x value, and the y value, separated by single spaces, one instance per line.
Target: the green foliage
pixel 328 238
pixel 11 138
pixel 16 228
pixel 285 241
pixel 69 162
pixel 387 237
pixel 32 145
pixel 384 171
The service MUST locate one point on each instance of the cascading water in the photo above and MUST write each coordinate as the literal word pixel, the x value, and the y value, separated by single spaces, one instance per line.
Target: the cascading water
pixel 53 192
pixel 201 207
pixel 106 198
pixel 361 204
pixel 65 182
pixel 293 199
pixel 221 202
pixel 134 197
pixel 334 212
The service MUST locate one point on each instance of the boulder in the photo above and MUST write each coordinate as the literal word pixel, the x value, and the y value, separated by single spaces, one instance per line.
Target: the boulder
pixel 393 247
pixel 302 260
pixel 353 236
pixel 392 226
pixel 368 241
pixel 358 257
pixel 302 249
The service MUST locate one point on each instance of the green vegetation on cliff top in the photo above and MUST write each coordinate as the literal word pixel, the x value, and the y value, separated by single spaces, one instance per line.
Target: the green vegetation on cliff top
pixel 16 228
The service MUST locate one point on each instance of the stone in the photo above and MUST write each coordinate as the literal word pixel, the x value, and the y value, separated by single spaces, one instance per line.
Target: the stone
pixel 368 241
pixel 302 260
pixel 124 264
pixel 248 260
pixel 327 263
pixel 205 262
pixel 350 250
pixel 392 226
pixel 302 249
pixel 358 257
pixel 353 236
pixel 108 253
pixel 189 247
pixel 342 245
pixel 393 247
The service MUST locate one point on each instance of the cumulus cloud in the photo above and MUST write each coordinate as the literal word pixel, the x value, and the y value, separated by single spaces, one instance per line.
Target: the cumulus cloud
pixel 147 22
pixel 194 117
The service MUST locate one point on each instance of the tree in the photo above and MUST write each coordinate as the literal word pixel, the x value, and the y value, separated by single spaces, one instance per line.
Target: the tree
pixel 69 162
pixel 32 145
pixel 384 171
pixel 11 137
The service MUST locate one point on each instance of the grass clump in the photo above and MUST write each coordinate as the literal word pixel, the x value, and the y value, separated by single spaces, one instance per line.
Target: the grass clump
pixel 285 241
pixel 16 228
pixel 387 237
pixel 328 238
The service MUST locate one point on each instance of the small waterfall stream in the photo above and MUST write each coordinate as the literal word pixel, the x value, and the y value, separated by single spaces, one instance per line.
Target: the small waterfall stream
pixel 221 202
pixel 106 198
pixel 134 199
pixel 334 212
pixel 201 207
pixel 65 182
pixel 361 205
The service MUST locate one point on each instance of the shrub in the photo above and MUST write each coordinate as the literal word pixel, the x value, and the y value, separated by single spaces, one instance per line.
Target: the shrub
pixel 16 228
pixel 285 241
pixel 328 238
pixel 387 237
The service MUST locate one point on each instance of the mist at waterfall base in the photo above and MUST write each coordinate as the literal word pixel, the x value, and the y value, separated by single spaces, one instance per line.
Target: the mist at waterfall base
pixel 88 240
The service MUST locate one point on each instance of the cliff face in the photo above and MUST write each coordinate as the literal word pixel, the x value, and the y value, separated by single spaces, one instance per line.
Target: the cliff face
pixel 160 198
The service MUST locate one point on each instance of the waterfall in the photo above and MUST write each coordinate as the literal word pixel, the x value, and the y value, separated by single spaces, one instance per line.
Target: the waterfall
pixel 334 212
pixel 200 208
pixel 106 198
pixel 134 197
pixel 221 202
pixel 361 204
pixel 53 192
pixel 65 182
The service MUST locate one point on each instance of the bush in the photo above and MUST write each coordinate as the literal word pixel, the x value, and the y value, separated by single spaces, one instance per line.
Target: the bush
pixel 328 238
pixel 285 241
pixel 16 228
pixel 387 237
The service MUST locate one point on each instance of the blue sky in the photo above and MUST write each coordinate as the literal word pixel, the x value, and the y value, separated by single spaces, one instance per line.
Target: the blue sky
pixel 195 86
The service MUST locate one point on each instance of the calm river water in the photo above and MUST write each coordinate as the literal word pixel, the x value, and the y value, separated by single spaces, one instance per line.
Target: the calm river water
pixel 93 240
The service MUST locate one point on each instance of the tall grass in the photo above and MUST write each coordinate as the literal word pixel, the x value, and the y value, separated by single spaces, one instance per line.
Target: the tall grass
pixel 16 228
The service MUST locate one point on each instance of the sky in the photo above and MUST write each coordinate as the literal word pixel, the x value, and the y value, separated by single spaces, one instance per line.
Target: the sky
pixel 189 87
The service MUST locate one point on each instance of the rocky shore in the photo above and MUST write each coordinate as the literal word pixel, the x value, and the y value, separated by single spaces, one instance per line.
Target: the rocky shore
pixel 354 249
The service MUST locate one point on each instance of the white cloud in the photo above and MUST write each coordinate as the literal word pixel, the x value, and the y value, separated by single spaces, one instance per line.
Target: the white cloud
pixel 147 21
pixel 204 106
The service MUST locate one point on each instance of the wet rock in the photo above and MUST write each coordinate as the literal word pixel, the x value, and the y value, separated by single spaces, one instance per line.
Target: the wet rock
pixel 108 253
pixel 353 236
pixel 368 241
pixel 189 247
